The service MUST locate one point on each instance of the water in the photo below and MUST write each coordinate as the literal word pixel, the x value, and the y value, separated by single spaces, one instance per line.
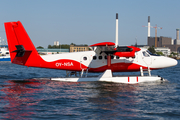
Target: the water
pixel 23 97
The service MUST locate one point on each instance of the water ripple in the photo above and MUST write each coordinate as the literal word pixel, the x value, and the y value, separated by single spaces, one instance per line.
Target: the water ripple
pixel 28 93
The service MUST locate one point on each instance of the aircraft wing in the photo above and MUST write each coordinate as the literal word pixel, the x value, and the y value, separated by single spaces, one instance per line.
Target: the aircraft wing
pixel 109 48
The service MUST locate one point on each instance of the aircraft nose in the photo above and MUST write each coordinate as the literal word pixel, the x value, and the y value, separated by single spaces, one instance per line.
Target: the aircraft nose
pixel 168 62
pixel 171 62
pixel 163 62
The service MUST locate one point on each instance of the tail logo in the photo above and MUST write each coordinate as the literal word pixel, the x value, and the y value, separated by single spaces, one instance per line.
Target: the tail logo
pixel 20 51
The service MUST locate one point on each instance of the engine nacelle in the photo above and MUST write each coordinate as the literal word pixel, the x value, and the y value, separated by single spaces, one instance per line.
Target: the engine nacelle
pixel 125 54
pixel 127 51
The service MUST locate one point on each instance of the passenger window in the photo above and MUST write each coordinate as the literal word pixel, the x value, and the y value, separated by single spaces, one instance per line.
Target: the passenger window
pixel 94 57
pixel 112 57
pixel 84 58
pixel 105 57
pixel 100 57
pixel 145 54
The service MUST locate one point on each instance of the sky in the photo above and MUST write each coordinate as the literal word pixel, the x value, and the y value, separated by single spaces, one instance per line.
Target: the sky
pixel 91 21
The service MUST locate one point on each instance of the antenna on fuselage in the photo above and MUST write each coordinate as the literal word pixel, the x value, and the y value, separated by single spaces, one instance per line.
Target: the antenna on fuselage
pixel 116 41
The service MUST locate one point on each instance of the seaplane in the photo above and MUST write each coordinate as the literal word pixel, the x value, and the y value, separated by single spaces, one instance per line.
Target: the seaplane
pixel 105 58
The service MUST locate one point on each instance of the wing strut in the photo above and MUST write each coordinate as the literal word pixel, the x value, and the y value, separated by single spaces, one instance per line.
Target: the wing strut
pixel 109 61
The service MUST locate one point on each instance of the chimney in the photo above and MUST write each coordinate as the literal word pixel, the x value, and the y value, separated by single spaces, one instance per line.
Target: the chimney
pixel 177 34
pixel 116 30
pixel 148 26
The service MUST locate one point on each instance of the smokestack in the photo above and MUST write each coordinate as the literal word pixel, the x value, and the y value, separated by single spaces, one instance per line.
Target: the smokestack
pixel 177 34
pixel 149 26
pixel 116 30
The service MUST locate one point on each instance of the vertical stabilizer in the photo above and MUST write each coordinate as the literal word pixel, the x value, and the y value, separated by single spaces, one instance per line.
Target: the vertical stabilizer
pixel 21 48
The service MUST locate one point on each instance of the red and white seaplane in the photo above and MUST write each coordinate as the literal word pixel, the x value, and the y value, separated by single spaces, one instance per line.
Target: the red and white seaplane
pixel 106 57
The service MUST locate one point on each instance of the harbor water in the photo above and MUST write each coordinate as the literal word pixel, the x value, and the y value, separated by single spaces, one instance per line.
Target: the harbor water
pixel 28 93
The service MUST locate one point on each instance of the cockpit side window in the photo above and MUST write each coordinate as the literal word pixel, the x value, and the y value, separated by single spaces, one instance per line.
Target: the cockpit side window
pixel 145 54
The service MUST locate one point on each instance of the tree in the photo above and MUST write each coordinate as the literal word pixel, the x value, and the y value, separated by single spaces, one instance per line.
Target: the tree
pixel 49 46
pixel 40 47
pixel 152 50
pixel 160 53
pixel 174 54
pixel 72 44
pixel 62 46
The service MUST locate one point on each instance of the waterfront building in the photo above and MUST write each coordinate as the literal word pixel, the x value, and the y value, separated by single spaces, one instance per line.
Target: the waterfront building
pixel 165 50
pixel 172 44
pixel 78 48
pixel 56 43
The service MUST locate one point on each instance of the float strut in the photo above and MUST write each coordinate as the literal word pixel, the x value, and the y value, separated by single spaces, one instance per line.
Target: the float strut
pixel 141 71
pixel 82 72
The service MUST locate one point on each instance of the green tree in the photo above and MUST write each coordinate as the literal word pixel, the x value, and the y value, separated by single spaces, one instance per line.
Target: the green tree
pixel 49 46
pixel 152 50
pixel 160 53
pixel 62 46
pixel 39 47
pixel 72 44
pixel 173 54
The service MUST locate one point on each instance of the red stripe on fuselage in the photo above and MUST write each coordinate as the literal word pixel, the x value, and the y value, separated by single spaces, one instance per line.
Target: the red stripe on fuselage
pixel 63 64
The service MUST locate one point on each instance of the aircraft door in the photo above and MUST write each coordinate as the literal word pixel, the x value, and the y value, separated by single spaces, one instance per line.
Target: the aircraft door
pixel 147 58
pixel 84 61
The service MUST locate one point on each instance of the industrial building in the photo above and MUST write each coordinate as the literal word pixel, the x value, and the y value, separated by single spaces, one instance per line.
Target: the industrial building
pixel 163 42
pixel 173 45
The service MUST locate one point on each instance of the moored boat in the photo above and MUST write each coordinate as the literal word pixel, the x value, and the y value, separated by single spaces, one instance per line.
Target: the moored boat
pixel 4 54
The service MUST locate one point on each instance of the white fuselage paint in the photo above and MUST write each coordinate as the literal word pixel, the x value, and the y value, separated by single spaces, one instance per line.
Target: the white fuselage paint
pixel 142 58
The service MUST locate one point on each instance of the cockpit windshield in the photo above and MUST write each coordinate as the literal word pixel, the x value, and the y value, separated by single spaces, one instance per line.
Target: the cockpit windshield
pixel 151 53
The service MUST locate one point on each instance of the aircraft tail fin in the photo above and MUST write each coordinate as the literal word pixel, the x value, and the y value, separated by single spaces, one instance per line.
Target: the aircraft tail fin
pixel 21 48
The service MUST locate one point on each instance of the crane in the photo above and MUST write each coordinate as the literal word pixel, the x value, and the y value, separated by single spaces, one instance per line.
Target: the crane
pixel 155 45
